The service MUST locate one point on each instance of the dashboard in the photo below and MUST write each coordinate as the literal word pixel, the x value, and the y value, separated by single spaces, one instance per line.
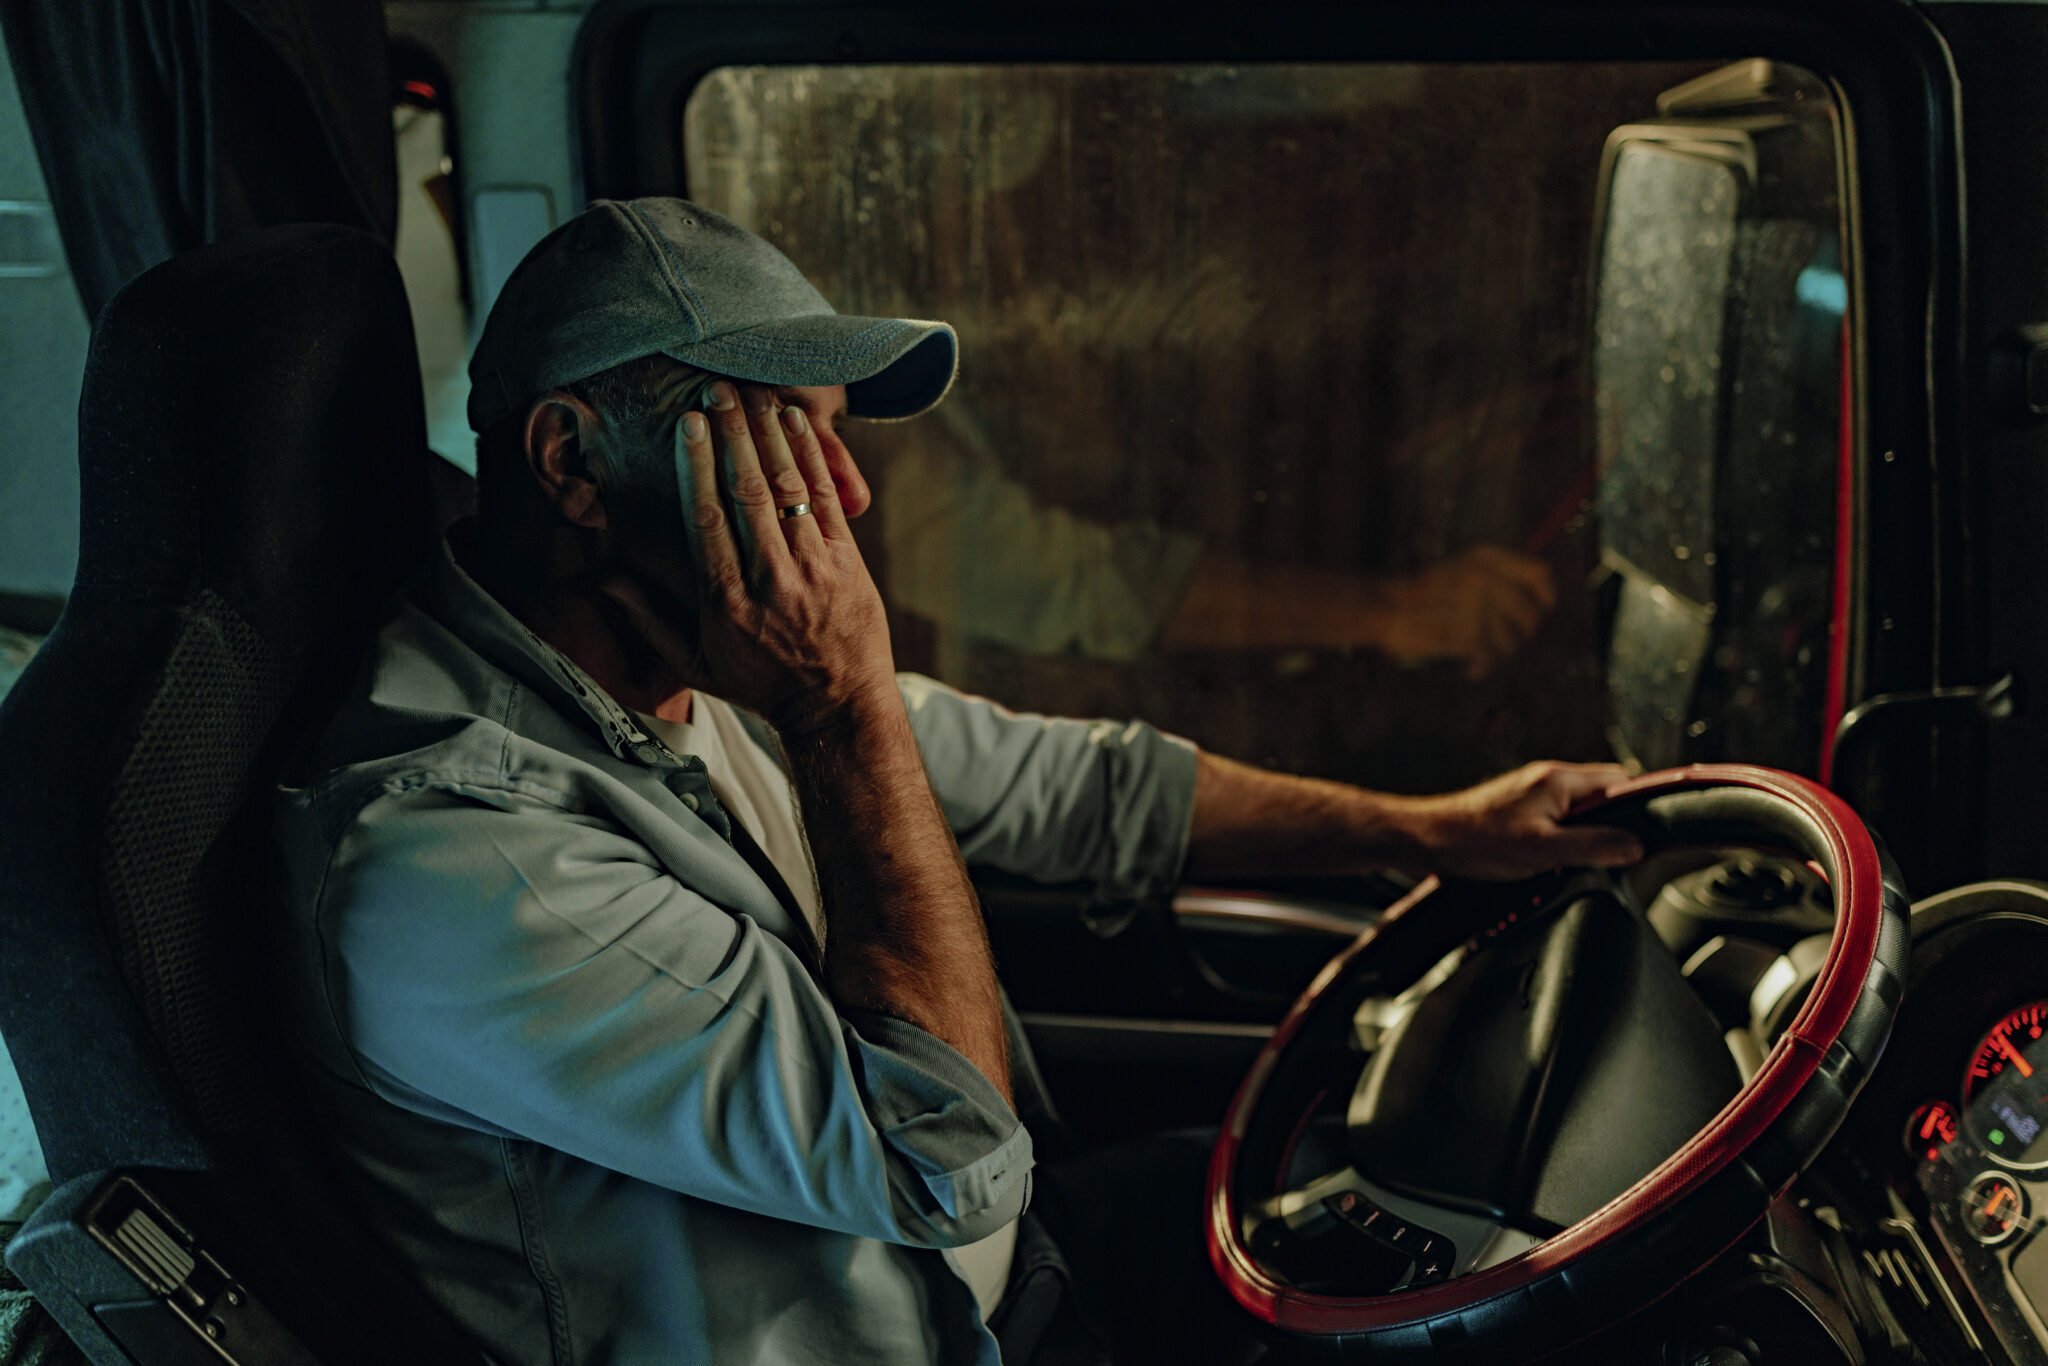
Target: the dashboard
pixel 1927 1211
pixel 1952 1131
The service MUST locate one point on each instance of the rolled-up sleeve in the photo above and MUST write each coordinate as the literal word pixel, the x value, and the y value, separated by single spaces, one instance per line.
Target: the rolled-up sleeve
pixel 495 961
pixel 1106 803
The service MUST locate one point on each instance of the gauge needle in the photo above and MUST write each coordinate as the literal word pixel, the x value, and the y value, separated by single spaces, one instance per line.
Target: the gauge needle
pixel 2005 1046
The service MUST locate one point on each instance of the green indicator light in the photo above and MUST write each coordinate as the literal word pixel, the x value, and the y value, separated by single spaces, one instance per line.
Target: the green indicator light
pixel 1998 1136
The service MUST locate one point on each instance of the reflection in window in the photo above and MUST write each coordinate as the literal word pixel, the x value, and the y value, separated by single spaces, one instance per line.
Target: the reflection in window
pixel 1275 422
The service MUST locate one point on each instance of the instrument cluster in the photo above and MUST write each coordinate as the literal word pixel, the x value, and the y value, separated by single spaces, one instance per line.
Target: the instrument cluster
pixel 1964 1094
pixel 1981 1161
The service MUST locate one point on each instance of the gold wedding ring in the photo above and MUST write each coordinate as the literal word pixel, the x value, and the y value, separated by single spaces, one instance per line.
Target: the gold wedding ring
pixel 794 510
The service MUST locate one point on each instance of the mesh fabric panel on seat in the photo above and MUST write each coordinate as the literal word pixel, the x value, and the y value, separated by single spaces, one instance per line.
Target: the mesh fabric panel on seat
pixel 170 828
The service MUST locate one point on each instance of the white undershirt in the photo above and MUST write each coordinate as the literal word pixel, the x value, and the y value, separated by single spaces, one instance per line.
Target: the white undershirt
pixel 752 788
pixel 750 784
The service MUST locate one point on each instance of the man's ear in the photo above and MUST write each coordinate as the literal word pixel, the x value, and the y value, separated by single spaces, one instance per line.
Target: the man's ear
pixel 560 440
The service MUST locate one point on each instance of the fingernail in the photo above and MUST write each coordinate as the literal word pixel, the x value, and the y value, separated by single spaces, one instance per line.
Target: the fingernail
pixel 719 395
pixel 694 427
pixel 759 400
pixel 793 420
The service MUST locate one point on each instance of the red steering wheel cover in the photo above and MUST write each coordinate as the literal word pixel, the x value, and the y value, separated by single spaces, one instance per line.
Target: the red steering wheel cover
pixel 1858 884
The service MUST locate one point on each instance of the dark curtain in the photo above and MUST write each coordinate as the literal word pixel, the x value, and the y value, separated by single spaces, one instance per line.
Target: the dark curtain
pixel 163 125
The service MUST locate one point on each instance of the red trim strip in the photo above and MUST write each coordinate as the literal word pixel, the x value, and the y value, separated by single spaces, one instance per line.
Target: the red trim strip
pixel 1853 871
pixel 1845 566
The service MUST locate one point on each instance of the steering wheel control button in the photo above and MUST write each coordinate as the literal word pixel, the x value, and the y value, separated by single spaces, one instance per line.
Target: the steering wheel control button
pixel 1429 1254
pixel 1329 1255
pixel 1434 1260
pixel 1993 1208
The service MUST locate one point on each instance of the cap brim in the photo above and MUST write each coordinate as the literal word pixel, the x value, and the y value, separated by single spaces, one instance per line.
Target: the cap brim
pixel 891 367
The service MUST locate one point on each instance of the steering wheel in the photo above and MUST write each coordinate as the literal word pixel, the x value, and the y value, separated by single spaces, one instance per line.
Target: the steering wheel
pixel 1546 1129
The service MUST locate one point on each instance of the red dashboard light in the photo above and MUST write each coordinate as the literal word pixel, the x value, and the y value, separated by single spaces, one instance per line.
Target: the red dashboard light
pixel 2006 1046
pixel 1931 1128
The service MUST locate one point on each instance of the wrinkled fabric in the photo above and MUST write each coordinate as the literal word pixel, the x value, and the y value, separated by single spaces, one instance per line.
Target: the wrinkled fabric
pixel 570 1045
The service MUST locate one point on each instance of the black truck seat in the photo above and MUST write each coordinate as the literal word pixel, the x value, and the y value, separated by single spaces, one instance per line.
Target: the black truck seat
pixel 253 483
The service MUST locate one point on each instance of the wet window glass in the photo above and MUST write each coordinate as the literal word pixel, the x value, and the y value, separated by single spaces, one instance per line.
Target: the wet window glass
pixel 1393 423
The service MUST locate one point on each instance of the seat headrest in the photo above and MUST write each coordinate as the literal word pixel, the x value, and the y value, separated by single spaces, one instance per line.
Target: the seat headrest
pixel 250 411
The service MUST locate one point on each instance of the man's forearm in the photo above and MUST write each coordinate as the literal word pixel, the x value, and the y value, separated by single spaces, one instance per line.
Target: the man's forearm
pixel 905 933
pixel 1249 822
pixel 1233 604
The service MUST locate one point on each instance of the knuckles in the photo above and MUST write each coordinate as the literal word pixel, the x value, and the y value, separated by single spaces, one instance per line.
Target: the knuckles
pixel 750 488
pixel 727 586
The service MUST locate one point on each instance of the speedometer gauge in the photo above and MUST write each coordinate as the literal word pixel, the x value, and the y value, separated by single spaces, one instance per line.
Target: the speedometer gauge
pixel 2005 1094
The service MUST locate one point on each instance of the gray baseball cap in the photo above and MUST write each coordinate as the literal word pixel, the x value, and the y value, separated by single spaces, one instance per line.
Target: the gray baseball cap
pixel 625 279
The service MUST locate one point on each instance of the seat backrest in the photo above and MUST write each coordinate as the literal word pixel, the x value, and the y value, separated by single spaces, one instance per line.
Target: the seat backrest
pixel 252 466
pixel 253 485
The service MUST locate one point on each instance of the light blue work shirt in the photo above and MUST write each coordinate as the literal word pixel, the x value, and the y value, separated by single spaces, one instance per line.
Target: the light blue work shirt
pixel 567 1042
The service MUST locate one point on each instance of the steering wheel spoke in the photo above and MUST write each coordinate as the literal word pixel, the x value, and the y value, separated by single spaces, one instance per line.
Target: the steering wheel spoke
pixel 1342 1233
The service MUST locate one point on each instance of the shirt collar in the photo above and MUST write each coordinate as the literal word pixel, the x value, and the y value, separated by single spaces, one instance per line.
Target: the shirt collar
pixel 483 623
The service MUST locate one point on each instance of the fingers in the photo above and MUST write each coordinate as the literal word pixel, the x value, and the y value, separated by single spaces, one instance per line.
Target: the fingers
pixel 1571 783
pixel 1496 637
pixel 787 485
pixel 827 512
pixel 1520 588
pixel 711 538
pixel 1514 825
pixel 1532 576
pixel 755 520
pixel 1594 846
pixel 1502 598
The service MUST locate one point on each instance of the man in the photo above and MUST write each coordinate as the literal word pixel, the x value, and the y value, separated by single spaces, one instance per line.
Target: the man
pixel 634 958
pixel 975 552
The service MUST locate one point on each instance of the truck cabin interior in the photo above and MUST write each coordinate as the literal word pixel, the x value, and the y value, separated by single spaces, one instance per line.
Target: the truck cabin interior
pixel 1388 394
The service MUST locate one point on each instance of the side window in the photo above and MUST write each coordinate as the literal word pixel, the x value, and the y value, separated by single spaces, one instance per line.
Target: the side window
pixel 430 245
pixel 43 336
pixel 1279 413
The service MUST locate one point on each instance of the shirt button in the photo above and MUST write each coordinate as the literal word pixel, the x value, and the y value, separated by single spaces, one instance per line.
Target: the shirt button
pixel 690 800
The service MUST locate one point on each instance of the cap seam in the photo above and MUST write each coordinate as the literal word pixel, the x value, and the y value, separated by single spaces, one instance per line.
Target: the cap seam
pixel 686 297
